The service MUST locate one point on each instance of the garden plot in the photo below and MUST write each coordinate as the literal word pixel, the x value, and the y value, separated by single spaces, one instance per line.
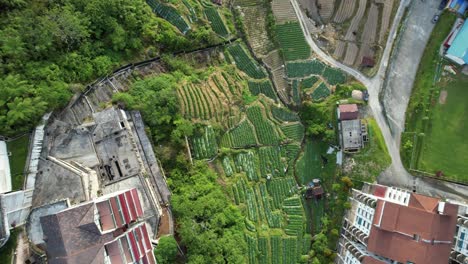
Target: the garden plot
pixel 204 145
pixel 345 11
pixel 339 50
pixel 281 84
pixel 246 63
pixel 369 34
pixel 283 11
pixel 354 26
pixel 264 128
pixel 170 14
pixel 264 87
pixel 292 41
pixel 273 60
pixel 326 8
pixel 219 92
pixel 386 17
pixel 217 23
pixel 254 18
pixel 351 53
pixel 304 68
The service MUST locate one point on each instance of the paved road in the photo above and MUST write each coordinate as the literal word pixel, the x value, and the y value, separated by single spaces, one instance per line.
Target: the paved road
pixel 396 95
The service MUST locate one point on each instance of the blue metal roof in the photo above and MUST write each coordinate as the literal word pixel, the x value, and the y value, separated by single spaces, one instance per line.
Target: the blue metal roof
pixel 459 47
pixel 463 7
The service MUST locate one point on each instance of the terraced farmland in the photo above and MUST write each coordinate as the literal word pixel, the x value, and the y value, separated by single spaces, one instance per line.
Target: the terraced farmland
pixel 292 41
pixel 216 21
pixel 246 63
pixel 170 14
pixel 215 99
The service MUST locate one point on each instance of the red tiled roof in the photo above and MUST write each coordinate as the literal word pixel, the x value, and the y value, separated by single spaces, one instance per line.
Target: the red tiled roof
pixel 394 237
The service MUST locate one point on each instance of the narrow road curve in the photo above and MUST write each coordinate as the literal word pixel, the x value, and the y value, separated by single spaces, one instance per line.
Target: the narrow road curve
pixel 396 175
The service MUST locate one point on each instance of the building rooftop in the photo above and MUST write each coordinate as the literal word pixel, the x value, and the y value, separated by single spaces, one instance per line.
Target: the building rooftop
pixel 92 232
pixel 351 134
pixel 458 51
pixel 344 108
pixel 421 232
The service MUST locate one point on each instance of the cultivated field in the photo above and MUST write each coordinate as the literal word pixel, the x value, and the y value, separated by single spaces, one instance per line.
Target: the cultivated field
pixel 254 14
pixel 356 29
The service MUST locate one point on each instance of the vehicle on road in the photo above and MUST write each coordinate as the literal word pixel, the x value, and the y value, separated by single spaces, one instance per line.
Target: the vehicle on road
pixel 435 19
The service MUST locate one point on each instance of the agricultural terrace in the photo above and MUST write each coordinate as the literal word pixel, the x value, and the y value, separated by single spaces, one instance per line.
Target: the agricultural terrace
pixel 215 99
pixel 254 16
pixel 292 41
pixel 185 14
pixel 19 152
pixel 356 30
pixel 434 143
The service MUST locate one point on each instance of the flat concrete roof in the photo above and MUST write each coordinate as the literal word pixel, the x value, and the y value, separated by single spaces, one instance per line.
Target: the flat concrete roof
pixel 5 175
pixel 351 134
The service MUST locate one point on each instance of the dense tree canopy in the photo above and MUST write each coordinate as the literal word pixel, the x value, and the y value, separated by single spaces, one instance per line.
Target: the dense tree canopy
pixel 48 47
pixel 208 222
pixel 166 251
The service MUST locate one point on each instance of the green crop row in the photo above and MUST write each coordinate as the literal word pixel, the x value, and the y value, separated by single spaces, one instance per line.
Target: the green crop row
pixel 294 226
pixel 289 250
pixel 279 189
pixel 273 218
pixel 275 244
pixel 303 69
pixel 240 137
pixel 292 41
pixel 270 162
pixel 205 146
pixel 170 14
pixel 294 131
pixel 334 76
pixel 283 114
pixel 264 251
pixel 320 92
pixel 290 151
pixel 265 130
pixel 227 167
pixel 246 162
pixel 309 82
pixel 251 205
pixel 296 92
pixel 263 87
pixel 216 21
pixel 245 63
pixel 252 248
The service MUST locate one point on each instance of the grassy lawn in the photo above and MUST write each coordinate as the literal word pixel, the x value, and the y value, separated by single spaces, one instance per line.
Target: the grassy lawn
pixel 19 152
pixel 7 250
pixel 373 159
pixel 441 143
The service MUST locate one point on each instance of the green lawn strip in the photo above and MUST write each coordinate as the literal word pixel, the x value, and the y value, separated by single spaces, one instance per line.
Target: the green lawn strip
pixel 374 158
pixel 19 152
pixel 439 128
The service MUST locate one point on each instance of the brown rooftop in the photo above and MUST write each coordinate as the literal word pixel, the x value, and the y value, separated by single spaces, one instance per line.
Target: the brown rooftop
pixel 416 233
pixel 348 108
